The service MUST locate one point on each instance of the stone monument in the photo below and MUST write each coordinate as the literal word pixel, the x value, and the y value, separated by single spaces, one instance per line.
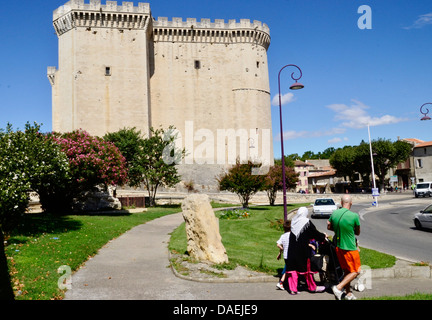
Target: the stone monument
pixel 204 241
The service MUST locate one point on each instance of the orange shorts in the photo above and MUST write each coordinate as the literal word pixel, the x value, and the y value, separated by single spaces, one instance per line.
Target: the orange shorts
pixel 349 260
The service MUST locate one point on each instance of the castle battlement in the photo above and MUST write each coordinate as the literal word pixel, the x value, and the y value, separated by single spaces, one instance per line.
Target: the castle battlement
pixel 218 31
pixel 77 13
pixel 95 5
pixel 207 24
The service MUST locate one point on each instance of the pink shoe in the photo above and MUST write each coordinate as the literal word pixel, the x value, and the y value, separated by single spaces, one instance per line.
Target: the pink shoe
pixel 319 289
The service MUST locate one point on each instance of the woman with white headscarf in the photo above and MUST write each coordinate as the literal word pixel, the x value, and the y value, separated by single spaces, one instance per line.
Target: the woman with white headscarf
pixel 298 262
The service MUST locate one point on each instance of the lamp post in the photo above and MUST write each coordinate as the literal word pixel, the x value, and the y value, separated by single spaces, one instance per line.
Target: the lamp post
pixel 295 86
pixel 426 117
pixel 373 170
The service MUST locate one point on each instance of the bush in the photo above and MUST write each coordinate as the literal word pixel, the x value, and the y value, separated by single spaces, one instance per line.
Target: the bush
pixel 241 180
pixel 14 182
pixel 92 161
pixel 234 214
pixel 274 181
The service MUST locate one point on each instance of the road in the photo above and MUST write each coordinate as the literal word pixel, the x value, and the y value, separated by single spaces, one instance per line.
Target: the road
pixel 389 227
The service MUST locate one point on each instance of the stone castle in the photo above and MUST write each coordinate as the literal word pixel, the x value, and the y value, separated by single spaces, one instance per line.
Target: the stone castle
pixel 120 67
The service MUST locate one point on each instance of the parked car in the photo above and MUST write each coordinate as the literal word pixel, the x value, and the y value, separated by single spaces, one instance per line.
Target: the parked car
pixel 323 207
pixel 423 189
pixel 423 219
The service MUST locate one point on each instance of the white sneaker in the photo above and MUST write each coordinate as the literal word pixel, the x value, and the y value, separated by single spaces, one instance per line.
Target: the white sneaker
pixel 280 286
pixel 350 297
pixel 338 293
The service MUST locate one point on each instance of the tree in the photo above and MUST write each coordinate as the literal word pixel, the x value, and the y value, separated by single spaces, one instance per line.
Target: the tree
pixel 130 143
pixel 155 163
pixel 387 155
pixel 240 180
pixel 342 160
pixel 327 153
pixel 14 187
pixel 309 155
pixel 47 167
pixel 289 160
pixel 274 182
pixel 29 161
pixel 362 163
pixel 92 162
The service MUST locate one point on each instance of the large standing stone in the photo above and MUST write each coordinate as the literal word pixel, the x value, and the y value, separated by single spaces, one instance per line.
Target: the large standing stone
pixel 202 230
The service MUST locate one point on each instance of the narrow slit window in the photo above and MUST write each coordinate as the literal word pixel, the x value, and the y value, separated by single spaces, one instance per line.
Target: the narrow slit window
pixel 197 64
pixel 107 71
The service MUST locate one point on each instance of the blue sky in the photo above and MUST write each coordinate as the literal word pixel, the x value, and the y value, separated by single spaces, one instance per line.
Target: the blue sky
pixel 352 76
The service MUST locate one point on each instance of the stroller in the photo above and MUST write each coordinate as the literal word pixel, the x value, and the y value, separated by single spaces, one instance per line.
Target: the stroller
pixel 326 263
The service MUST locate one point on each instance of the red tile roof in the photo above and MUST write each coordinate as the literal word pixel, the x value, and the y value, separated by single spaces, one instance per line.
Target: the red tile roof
pixel 424 144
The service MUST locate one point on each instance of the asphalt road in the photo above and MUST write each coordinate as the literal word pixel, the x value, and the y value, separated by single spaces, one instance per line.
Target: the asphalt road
pixel 389 227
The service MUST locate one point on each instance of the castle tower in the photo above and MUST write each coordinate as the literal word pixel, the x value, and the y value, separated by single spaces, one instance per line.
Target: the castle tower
pixel 119 67
pixel 102 83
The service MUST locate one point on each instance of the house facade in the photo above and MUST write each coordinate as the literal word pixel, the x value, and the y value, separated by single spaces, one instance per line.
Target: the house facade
pixel 422 157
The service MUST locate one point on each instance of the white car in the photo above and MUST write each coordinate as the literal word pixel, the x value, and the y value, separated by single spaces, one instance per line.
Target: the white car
pixel 423 219
pixel 323 207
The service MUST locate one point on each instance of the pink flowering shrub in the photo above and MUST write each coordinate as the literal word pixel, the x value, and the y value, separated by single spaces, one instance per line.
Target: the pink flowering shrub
pixel 92 160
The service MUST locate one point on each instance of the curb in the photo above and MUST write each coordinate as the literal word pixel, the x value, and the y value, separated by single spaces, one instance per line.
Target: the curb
pixel 405 272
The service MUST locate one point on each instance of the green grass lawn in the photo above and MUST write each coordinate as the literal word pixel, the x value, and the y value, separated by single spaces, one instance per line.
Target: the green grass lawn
pixel 251 242
pixel 42 243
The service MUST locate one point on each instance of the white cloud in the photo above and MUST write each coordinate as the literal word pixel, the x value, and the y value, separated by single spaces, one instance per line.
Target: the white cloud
pixel 337 140
pixel 334 140
pixel 285 99
pixel 356 116
pixel 423 20
pixel 289 135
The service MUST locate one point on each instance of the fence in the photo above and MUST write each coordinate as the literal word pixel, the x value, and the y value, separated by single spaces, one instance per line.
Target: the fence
pixel 138 202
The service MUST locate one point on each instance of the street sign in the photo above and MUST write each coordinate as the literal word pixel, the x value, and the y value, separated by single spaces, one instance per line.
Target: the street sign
pixel 375 192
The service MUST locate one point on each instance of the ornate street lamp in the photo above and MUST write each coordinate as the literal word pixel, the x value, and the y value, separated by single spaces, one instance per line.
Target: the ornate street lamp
pixel 426 117
pixel 295 86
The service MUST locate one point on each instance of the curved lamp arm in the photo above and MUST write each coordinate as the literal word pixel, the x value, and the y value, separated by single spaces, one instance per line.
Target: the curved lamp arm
pixel 426 117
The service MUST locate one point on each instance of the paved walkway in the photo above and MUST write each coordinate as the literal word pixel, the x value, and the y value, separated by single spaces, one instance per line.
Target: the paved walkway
pixel 135 266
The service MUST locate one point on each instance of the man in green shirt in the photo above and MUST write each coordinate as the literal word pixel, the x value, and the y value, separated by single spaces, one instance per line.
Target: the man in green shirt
pixel 346 225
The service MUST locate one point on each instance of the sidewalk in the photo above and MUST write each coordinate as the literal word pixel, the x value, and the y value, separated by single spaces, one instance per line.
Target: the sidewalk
pixel 136 266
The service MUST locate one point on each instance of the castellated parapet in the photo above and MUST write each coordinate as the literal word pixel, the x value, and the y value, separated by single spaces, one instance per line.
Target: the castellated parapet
pixel 218 31
pixel 76 13
pixel 119 67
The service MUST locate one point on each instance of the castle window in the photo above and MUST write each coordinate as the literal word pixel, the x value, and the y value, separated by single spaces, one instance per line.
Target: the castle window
pixel 257 64
pixel 107 71
pixel 197 64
